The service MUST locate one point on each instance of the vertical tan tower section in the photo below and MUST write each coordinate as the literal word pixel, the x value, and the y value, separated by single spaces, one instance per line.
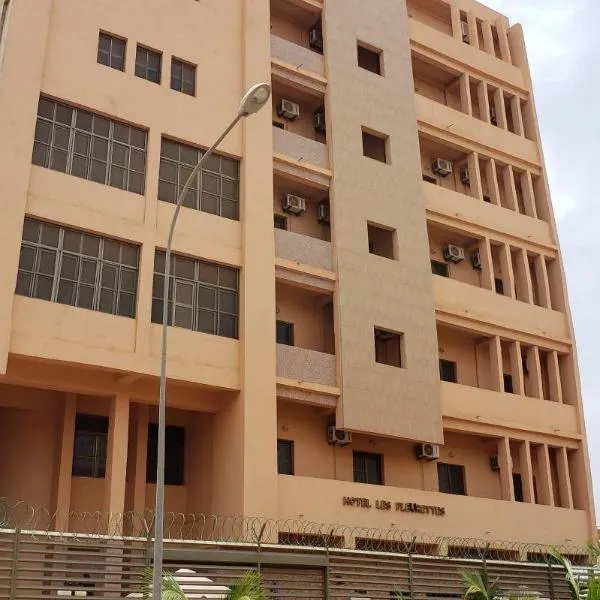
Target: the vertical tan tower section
pixel 373 291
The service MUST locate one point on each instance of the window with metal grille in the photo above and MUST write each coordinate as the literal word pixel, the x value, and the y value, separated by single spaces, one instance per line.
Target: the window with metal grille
pixel 440 268
pixel 367 468
pixel 215 189
pixel 73 267
pixel 284 333
pixel 451 479
pixel 89 447
pixel 111 51
pixel 183 77
pixel 518 487
pixel 87 145
pixel 448 370
pixel 147 64
pixel 285 457
pixel 280 222
pixel 203 296
pixel 174 454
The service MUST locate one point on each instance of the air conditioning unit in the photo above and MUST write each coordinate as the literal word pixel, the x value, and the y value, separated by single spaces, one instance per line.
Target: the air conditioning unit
pixel 428 451
pixel 476 260
pixel 454 253
pixel 464 176
pixel 323 212
pixel 494 463
pixel 288 110
pixel 464 30
pixel 441 167
pixel 493 117
pixel 293 204
pixel 319 122
pixel 338 437
pixel 315 39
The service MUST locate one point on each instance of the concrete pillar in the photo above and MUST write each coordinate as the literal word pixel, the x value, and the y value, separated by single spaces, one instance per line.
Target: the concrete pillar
pixel 484 101
pixel 505 462
pixel 516 368
pixel 465 95
pixel 141 458
pixel 116 459
pixel 472 22
pixel 509 188
pixel 541 278
pixel 528 193
pixel 515 109
pixel 503 39
pixel 496 369
pixel 507 273
pixel 533 383
pixel 500 108
pixel 526 472
pixel 522 276
pixel 65 463
pixel 492 179
pixel 564 478
pixel 488 40
pixel 487 267
pixel 455 16
pixel 544 476
pixel 475 176
pixel 430 476
pixel 554 377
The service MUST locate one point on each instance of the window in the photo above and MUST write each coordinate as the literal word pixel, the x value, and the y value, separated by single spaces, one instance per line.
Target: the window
pixel 451 479
pixel 381 241
pixel 279 124
pixel 369 58
pixel 388 347
pixel 284 333
pixel 285 457
pixel 174 454
pixel 84 144
pixel 429 178
pixel 147 64
pixel 69 266
pixel 374 146
pixel 89 447
pixel 183 77
pixel 518 487
pixel 499 285
pixel 280 222
pixel 203 296
pixel 440 268
pixel 111 51
pixel 508 383
pixel 448 371
pixel 367 468
pixel 214 190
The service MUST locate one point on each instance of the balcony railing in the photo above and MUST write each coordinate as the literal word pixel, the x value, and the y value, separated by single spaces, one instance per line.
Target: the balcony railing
pixel 296 55
pixel 305 365
pixel 303 249
pixel 300 148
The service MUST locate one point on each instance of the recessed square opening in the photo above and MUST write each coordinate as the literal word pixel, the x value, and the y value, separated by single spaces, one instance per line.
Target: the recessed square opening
pixel 382 241
pixel 389 347
pixel 369 58
pixel 375 145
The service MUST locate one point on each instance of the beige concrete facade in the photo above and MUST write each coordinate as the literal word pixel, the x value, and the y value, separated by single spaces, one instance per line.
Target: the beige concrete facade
pixel 311 324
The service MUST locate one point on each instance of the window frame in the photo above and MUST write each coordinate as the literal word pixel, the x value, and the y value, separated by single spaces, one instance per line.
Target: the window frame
pixel 288 326
pixel 383 346
pixel 443 363
pixel 279 220
pixel 376 52
pixel 183 65
pixel 371 477
pixel 112 39
pixel 144 67
pixel 366 134
pixel 455 479
pixel 287 447
pixel 440 266
pixel 99 436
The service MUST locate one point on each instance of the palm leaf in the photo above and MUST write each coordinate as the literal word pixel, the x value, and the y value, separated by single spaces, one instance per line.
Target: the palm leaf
pixel 593 590
pixel 570 577
pixel 249 587
pixel 171 590
pixel 478 587
pixel 594 549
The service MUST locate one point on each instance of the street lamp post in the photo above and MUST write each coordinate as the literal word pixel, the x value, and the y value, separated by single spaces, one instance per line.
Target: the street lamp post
pixel 254 99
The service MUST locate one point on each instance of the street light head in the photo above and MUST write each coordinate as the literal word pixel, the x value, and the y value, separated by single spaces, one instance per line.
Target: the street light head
pixel 254 99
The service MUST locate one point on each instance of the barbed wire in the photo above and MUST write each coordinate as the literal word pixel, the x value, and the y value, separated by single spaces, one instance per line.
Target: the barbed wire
pixel 257 531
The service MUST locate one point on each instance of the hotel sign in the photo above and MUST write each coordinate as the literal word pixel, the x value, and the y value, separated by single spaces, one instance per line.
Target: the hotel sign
pixel 412 507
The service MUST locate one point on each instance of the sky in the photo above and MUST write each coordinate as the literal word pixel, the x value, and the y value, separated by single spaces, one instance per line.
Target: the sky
pixel 563 45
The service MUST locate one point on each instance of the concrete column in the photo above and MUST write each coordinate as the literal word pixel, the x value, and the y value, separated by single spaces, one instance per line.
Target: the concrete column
pixel 503 39
pixel 505 462
pixel 492 178
pixel 528 193
pixel 510 190
pixel 141 458
pixel 65 463
pixel 496 369
pixel 533 384
pixel 500 108
pixel 116 460
pixel 472 22
pixel 507 273
pixel 487 267
pixel 516 368
pixel 526 472
pixel 515 109
pixel 523 276
pixel 475 176
pixel 430 476
pixel 484 101
pixel 554 377
pixel 488 40
pixel 541 278
pixel 544 476
pixel 465 95
pixel 455 16
pixel 564 478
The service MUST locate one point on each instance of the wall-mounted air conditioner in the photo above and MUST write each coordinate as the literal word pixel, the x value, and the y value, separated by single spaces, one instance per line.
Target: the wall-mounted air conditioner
pixel 428 451
pixel 454 253
pixel 441 167
pixel 288 110
pixel 293 204
pixel 338 437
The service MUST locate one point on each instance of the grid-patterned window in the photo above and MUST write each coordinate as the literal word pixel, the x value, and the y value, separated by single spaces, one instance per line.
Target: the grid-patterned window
pixel 111 51
pixel 89 447
pixel 214 190
pixel 183 77
pixel 84 144
pixel 147 64
pixel 77 268
pixel 203 296
pixel 285 457
pixel 367 468
pixel 451 479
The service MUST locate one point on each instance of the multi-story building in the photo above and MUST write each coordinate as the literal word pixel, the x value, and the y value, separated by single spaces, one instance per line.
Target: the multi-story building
pixel 370 322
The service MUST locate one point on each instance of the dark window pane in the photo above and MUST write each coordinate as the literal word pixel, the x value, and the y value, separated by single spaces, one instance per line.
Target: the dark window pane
pixel 210 203
pixel 284 333
pixel 208 273
pixel 188 155
pixel 137 138
pixel 100 149
pixel 126 305
pixel 109 276
pixel 46 108
pixel 58 162
pixel 50 234
pixel 285 457
pixel 136 183
pixel 79 167
pixel 166 191
pixel 23 287
pixel 157 310
pixel 82 143
pixel 129 255
pixel 184 267
pixel 83 120
pixel 121 133
pixel 31 230
pixel 117 177
pixel 27 258
pixel 91 244
pixel 107 301
pixel 88 271
pixel 112 250
pixel 183 317
pixel 137 160
pixel 64 114
pixel 101 126
pixel 69 267
pixel 61 138
pixel 128 280
pixel 207 297
pixel 42 287
pixel 40 154
pixel 206 321
pixel 230 167
pixel 66 292
pixel 229 209
pixel 43 131
pixel 85 297
pixel 98 171
pixel 228 326
pixel 228 277
pixel 169 149
pixel 47 262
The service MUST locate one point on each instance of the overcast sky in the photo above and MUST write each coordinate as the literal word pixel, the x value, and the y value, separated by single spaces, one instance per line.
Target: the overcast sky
pixel 563 44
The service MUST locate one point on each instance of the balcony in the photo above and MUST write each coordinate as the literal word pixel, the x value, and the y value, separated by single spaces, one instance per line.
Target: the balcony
pixel 300 149
pixel 303 249
pixel 300 57
pixel 303 365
